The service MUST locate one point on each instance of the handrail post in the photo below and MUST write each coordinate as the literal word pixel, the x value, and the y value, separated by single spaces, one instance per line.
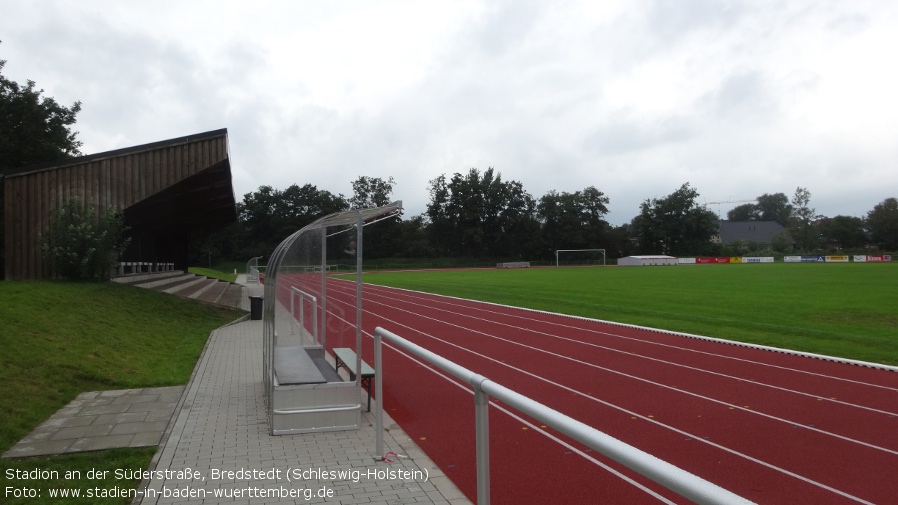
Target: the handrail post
pixel 379 393
pixel 293 314
pixel 482 438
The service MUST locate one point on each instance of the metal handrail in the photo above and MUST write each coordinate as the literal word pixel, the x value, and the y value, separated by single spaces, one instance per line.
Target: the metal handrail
pixel 252 270
pixel 300 294
pixel 672 477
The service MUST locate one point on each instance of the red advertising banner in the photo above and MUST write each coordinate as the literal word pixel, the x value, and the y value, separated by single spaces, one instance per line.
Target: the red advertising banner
pixel 708 261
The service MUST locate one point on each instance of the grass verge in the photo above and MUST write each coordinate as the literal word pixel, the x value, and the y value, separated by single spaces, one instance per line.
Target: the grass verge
pixel 61 339
pixel 844 310
pixel 213 274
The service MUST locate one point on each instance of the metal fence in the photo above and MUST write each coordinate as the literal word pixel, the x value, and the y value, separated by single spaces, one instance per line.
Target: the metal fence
pixel 676 479
pixel 252 270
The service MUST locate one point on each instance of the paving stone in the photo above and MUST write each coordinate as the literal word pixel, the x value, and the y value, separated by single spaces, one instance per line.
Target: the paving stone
pixel 133 428
pixel 105 409
pixel 44 448
pixel 222 424
pixel 146 439
pixel 100 443
pixel 81 432
pixel 126 417
pixel 99 420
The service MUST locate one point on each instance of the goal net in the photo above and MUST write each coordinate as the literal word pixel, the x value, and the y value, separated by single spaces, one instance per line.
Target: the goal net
pixel 567 257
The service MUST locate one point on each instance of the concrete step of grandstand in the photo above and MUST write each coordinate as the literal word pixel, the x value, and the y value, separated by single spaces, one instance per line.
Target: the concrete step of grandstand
pixel 171 284
pixel 213 293
pixel 193 286
pixel 144 278
pixel 196 289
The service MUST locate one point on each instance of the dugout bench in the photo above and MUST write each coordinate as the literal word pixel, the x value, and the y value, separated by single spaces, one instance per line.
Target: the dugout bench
pixel 345 357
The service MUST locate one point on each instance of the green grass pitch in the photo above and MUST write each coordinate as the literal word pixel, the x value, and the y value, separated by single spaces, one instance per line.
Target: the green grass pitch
pixel 848 310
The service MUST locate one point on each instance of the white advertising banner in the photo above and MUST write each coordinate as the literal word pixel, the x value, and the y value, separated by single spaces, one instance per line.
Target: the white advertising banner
pixel 756 259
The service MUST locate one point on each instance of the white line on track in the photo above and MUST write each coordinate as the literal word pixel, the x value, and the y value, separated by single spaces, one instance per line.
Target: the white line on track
pixel 641 356
pixel 518 418
pixel 634 377
pixel 438 299
pixel 624 410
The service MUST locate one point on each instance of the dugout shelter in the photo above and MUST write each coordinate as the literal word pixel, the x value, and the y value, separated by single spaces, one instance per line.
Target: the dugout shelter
pixel 307 314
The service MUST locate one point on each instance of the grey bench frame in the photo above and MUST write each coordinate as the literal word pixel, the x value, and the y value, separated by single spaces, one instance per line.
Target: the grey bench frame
pixel 346 357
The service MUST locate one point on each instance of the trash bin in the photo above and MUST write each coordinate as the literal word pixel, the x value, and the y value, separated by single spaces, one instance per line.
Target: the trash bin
pixel 255 307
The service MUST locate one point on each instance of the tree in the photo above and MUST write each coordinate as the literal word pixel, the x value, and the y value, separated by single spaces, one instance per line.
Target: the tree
pixel 414 243
pixel 882 222
pixel 675 225
pixel 370 192
pixel 33 129
pixel 774 207
pixel 385 238
pixel 82 246
pixel 767 207
pixel 441 225
pixel 480 215
pixel 845 232
pixel 744 212
pixel 268 215
pixel 573 220
pixel 802 225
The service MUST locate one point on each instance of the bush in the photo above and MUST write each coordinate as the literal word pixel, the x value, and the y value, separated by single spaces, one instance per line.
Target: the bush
pixel 82 246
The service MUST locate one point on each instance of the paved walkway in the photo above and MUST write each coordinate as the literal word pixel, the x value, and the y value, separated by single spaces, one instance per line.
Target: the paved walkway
pixel 219 445
pixel 103 420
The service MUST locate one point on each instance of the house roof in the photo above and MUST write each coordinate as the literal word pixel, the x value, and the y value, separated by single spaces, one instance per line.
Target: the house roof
pixel 761 232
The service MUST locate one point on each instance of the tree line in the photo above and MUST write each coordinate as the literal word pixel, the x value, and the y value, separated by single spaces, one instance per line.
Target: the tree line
pixel 476 214
pixel 480 215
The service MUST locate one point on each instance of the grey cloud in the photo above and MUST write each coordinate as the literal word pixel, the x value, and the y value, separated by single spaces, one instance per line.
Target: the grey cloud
pixel 504 27
pixel 623 134
pixel 848 24
pixel 670 21
pixel 741 96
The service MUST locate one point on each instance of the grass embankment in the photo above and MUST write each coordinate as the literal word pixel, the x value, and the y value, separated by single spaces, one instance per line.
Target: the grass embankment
pixel 845 310
pixel 61 339
pixel 213 274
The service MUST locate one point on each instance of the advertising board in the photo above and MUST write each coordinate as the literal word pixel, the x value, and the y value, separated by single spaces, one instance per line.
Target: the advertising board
pixel 872 258
pixel 708 261
pixel 804 259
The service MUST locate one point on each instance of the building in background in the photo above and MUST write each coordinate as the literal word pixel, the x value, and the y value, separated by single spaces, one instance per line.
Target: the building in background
pixel 171 192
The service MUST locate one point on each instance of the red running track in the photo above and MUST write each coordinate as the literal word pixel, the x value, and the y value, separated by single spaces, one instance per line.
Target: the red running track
pixel 772 427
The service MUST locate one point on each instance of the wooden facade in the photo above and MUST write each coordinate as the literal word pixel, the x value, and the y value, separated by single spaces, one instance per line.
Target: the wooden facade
pixel 126 179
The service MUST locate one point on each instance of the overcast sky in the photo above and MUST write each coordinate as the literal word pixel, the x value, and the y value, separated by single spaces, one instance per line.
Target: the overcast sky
pixel 633 97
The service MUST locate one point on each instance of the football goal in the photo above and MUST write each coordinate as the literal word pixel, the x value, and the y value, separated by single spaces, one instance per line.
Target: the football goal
pixel 579 257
